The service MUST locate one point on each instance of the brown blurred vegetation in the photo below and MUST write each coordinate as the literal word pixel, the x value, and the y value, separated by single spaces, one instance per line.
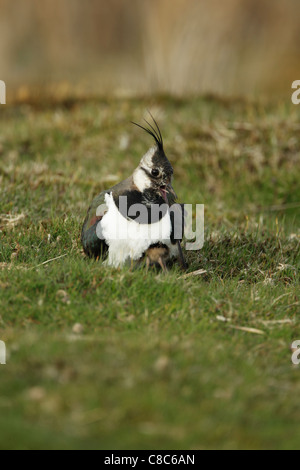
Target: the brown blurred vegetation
pixel 232 47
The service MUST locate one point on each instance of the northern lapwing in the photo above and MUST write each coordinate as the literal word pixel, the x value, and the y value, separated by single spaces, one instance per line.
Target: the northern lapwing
pixel 122 225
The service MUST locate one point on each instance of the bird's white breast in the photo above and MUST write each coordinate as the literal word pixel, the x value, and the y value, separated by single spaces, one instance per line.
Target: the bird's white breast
pixel 126 238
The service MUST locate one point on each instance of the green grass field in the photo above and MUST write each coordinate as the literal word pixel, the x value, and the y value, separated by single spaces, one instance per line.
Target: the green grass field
pixel 159 361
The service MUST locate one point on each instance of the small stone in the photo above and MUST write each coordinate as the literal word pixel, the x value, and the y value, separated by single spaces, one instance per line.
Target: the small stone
pixel 62 295
pixel 13 256
pixel 124 142
pixel 78 329
pixel 162 364
pixel 36 393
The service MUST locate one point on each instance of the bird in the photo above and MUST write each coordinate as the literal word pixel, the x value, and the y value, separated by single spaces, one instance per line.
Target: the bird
pixel 138 218
pixel 157 255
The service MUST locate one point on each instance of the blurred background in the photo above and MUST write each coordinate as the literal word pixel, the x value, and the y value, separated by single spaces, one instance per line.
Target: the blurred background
pixel 232 47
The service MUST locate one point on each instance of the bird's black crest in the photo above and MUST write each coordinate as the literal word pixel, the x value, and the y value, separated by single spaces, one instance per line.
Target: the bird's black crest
pixel 153 131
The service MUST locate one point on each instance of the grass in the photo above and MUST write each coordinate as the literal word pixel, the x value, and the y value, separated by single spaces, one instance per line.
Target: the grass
pixel 158 361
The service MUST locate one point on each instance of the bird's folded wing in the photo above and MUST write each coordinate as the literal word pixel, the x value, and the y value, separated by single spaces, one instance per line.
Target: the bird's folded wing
pixel 92 245
pixel 96 211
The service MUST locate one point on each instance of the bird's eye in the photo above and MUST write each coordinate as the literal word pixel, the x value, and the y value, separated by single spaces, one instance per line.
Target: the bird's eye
pixel 155 172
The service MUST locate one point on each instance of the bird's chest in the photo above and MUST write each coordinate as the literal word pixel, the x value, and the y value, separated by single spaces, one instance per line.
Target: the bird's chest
pixel 129 238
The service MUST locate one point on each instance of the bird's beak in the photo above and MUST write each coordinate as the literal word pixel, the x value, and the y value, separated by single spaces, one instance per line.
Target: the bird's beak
pixel 170 190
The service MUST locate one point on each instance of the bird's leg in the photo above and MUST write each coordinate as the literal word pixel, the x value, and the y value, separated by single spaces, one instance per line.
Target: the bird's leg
pixel 181 257
pixel 147 264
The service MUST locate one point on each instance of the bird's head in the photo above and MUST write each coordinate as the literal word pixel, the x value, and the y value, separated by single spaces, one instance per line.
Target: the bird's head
pixel 154 173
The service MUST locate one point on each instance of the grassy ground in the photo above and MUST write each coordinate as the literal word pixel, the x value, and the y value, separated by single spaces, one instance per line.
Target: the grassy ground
pixel 159 361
